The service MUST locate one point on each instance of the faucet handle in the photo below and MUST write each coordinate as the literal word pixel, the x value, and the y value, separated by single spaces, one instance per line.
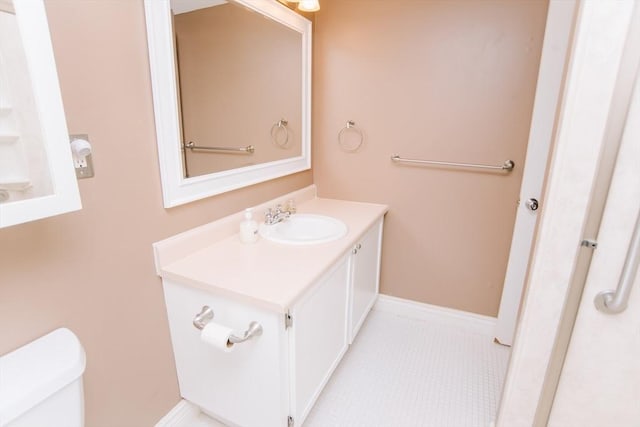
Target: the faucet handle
pixel 268 216
pixel 278 209
pixel 291 206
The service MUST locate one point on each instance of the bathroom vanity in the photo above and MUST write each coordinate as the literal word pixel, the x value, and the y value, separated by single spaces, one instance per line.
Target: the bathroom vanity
pixel 310 301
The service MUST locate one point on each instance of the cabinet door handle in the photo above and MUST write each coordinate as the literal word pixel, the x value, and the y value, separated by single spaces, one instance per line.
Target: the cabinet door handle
pixel 356 248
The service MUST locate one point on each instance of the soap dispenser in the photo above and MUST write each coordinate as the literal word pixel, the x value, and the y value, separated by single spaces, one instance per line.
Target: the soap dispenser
pixel 248 227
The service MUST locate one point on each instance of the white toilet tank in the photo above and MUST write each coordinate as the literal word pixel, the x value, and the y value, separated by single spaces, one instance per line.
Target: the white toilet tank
pixel 41 383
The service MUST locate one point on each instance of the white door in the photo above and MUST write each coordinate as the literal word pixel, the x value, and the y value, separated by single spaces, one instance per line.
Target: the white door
pixel 560 263
pixel 552 62
pixel 600 380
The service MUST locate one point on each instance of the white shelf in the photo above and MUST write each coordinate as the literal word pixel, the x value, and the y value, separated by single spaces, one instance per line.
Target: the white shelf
pixel 9 138
pixel 14 185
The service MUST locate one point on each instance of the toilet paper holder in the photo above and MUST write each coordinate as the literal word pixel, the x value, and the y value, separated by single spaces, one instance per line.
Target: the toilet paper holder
pixel 206 315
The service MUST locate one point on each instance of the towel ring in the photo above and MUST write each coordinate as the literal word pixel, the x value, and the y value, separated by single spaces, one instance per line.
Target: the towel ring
pixel 275 130
pixel 351 125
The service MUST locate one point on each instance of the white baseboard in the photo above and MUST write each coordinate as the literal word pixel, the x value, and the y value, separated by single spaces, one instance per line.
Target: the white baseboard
pixel 180 416
pixel 427 312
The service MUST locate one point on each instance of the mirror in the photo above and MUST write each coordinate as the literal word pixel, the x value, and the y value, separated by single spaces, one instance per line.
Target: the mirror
pixel 231 94
pixel 238 86
pixel 37 177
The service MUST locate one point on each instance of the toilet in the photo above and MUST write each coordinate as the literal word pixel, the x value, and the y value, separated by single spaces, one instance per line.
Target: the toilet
pixel 41 383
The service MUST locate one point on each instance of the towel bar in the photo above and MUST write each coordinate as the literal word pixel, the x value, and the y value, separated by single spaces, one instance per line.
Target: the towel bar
pixel 249 149
pixel 508 165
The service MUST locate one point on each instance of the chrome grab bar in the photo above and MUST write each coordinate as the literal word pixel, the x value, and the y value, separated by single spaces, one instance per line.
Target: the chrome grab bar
pixel 508 165
pixel 206 315
pixel 614 302
pixel 249 149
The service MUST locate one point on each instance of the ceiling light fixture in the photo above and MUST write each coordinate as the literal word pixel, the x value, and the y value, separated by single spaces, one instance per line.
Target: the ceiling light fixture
pixel 309 5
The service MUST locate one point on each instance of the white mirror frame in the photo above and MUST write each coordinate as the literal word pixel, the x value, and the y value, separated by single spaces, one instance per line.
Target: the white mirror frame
pixel 34 31
pixel 176 189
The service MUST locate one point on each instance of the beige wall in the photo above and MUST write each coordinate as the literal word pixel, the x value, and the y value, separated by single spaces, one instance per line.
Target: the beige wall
pixel 92 270
pixel 451 80
pixel 239 75
pixel 442 80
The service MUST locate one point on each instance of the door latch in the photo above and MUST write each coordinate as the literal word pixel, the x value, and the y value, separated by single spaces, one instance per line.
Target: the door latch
pixel 532 204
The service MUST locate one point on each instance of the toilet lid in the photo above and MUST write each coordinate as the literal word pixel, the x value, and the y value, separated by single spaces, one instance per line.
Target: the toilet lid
pixel 35 371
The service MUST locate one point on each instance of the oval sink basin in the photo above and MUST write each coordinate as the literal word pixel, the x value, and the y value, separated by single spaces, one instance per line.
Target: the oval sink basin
pixel 304 229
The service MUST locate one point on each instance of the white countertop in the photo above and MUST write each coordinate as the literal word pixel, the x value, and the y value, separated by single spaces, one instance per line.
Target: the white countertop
pixel 270 275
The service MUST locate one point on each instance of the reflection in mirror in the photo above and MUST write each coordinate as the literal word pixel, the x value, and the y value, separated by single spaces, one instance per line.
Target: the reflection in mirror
pixel 24 173
pixel 37 177
pixel 240 91
pixel 245 95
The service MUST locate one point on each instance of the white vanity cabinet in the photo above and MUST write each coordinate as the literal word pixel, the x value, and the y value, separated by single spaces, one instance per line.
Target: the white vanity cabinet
pixel 246 387
pixel 274 376
pixel 364 277
pixel 310 301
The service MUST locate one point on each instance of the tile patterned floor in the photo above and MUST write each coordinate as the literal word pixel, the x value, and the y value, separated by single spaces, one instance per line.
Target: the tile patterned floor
pixel 407 372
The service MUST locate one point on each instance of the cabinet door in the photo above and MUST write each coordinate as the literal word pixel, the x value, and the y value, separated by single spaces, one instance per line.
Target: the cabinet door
pixel 365 277
pixel 247 387
pixel 318 338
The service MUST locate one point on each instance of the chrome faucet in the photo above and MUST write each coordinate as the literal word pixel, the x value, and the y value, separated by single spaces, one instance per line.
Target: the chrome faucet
pixel 279 214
